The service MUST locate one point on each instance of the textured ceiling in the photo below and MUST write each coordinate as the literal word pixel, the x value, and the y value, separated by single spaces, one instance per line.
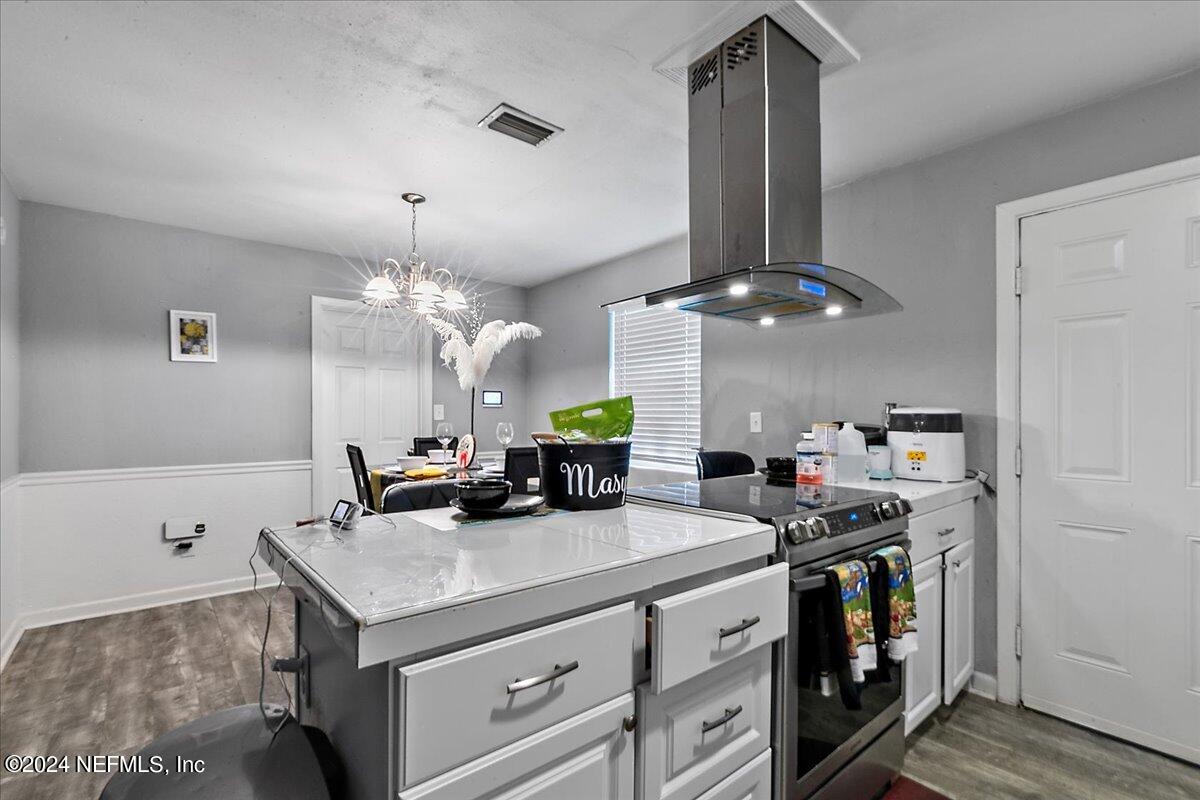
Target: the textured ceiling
pixel 301 123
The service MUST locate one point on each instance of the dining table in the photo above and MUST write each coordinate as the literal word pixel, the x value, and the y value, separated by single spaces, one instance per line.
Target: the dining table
pixel 384 475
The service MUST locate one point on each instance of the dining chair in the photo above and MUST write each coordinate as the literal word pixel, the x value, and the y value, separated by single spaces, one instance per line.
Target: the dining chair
pixel 520 464
pixel 417 495
pixel 722 464
pixel 423 444
pixel 362 478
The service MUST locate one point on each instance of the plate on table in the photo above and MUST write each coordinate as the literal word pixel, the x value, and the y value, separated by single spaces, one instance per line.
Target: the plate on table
pixel 517 505
pixel 493 469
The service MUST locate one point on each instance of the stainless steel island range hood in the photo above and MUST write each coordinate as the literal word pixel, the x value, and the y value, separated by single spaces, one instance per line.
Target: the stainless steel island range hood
pixel 754 163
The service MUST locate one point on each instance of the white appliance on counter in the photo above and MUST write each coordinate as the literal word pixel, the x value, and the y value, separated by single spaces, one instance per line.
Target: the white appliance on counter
pixel 927 444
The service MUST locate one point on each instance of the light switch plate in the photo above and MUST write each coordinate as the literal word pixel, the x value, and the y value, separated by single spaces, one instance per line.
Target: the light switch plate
pixel 439 412
pixel 756 422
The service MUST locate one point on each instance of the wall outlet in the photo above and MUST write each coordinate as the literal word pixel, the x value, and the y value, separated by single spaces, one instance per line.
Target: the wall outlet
pixel 756 422
pixel 184 528
pixel 439 412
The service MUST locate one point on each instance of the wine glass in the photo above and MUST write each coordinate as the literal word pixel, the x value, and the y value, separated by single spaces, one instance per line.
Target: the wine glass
pixel 504 434
pixel 444 433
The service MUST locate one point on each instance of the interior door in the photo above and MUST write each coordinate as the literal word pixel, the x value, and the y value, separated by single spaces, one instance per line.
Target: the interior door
pixel 923 669
pixel 367 390
pixel 1110 485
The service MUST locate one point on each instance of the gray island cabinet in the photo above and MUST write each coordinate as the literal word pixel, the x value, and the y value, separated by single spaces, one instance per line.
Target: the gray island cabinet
pixel 612 654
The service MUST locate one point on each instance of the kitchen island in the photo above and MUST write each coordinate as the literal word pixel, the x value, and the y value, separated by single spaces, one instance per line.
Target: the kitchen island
pixel 538 654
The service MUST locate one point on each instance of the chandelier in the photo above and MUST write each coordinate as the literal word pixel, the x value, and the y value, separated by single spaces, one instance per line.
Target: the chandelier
pixel 414 285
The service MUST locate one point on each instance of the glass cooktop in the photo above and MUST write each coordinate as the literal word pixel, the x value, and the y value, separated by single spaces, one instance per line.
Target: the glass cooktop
pixel 756 496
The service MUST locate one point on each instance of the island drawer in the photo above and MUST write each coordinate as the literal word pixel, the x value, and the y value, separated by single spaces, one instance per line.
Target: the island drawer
pixel 464 704
pixel 700 629
pixel 751 782
pixel 938 531
pixel 693 736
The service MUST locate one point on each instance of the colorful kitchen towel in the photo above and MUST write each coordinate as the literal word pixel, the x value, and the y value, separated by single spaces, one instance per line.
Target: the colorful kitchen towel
pixel 853 580
pixel 901 601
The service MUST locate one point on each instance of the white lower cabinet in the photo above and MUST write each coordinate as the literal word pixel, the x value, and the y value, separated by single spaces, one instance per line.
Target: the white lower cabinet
pixel 944 583
pixel 959 647
pixel 923 669
pixel 587 757
pixel 697 733
pixel 751 782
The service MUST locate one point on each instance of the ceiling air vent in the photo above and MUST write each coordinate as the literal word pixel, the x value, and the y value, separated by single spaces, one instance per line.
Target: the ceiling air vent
pixel 519 125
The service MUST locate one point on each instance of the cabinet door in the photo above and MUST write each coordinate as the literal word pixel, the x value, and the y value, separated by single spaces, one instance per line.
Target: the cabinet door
pixel 923 669
pixel 960 619
pixel 588 756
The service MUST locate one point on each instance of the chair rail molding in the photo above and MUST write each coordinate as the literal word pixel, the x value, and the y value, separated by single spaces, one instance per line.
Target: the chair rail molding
pixel 1008 385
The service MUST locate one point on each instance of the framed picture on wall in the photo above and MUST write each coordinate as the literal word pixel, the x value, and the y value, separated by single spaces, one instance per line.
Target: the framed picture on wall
pixel 193 336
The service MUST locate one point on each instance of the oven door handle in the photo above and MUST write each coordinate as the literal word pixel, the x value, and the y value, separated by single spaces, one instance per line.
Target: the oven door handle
pixel 816 579
pixel 809 583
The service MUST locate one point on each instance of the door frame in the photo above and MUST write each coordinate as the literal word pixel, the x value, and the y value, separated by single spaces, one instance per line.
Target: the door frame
pixel 320 307
pixel 1008 389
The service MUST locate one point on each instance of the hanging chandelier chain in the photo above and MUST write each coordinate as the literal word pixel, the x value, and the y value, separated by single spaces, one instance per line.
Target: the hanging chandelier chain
pixel 414 228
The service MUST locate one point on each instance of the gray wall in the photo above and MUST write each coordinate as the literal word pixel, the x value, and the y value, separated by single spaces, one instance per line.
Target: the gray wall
pixel 98 389
pixel 926 233
pixel 569 364
pixel 10 353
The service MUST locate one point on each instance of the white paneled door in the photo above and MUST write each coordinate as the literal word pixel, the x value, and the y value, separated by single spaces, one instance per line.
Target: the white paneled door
pixel 371 387
pixel 1110 483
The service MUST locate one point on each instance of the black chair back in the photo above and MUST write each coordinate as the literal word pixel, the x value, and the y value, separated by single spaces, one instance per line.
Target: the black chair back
pixel 362 478
pixel 722 464
pixel 520 464
pixel 416 496
pixel 423 444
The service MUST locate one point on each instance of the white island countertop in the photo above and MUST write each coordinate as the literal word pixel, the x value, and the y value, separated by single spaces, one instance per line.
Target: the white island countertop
pixel 406 588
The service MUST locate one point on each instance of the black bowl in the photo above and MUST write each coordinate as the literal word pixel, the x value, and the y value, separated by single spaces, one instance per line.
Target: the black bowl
pixel 483 493
pixel 781 465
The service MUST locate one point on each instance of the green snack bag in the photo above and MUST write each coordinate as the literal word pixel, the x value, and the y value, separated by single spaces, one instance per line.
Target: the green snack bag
pixel 595 422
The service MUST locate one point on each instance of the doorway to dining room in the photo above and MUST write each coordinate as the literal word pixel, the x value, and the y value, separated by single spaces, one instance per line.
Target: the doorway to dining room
pixel 372 386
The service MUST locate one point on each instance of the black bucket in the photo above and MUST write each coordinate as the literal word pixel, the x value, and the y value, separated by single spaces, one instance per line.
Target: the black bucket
pixel 583 477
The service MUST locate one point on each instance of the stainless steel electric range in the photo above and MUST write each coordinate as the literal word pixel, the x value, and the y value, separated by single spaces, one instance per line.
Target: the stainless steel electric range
pixel 832 741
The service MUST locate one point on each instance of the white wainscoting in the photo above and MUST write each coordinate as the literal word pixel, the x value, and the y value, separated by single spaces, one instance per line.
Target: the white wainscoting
pixel 10 562
pixel 90 543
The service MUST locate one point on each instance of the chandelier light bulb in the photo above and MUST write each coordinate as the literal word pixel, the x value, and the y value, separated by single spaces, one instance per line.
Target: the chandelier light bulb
pixel 381 288
pixel 453 300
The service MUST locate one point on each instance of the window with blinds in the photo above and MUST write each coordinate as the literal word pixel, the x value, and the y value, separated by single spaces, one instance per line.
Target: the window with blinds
pixel 654 355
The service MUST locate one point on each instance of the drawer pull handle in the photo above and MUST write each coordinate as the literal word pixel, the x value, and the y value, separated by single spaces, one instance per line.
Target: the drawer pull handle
pixel 729 714
pixel 741 626
pixel 528 683
pixel 946 531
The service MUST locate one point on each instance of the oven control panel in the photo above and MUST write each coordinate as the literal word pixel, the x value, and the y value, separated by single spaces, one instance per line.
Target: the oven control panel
pixel 849 520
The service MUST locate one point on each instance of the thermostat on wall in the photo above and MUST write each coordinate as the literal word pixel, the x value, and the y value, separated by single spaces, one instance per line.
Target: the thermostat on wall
pixel 184 528
pixel 492 398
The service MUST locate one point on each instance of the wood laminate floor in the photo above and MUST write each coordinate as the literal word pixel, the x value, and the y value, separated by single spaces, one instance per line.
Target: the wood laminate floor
pixel 109 685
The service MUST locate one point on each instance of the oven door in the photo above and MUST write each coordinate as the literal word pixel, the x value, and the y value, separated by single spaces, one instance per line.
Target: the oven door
pixel 823 731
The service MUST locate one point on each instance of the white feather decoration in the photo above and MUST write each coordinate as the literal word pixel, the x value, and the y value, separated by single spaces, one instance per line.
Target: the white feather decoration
pixel 472 362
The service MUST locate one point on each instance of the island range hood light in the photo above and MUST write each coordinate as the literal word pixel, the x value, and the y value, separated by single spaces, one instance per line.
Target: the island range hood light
pixel 754 190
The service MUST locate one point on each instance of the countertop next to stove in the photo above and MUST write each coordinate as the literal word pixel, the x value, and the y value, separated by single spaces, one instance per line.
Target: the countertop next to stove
pixel 925 496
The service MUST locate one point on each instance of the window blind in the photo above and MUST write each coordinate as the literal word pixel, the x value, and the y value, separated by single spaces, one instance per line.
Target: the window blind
pixel 654 355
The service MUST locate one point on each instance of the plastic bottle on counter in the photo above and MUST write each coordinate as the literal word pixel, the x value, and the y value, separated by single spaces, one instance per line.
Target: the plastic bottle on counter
pixel 852 453
pixel 808 461
pixel 830 465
